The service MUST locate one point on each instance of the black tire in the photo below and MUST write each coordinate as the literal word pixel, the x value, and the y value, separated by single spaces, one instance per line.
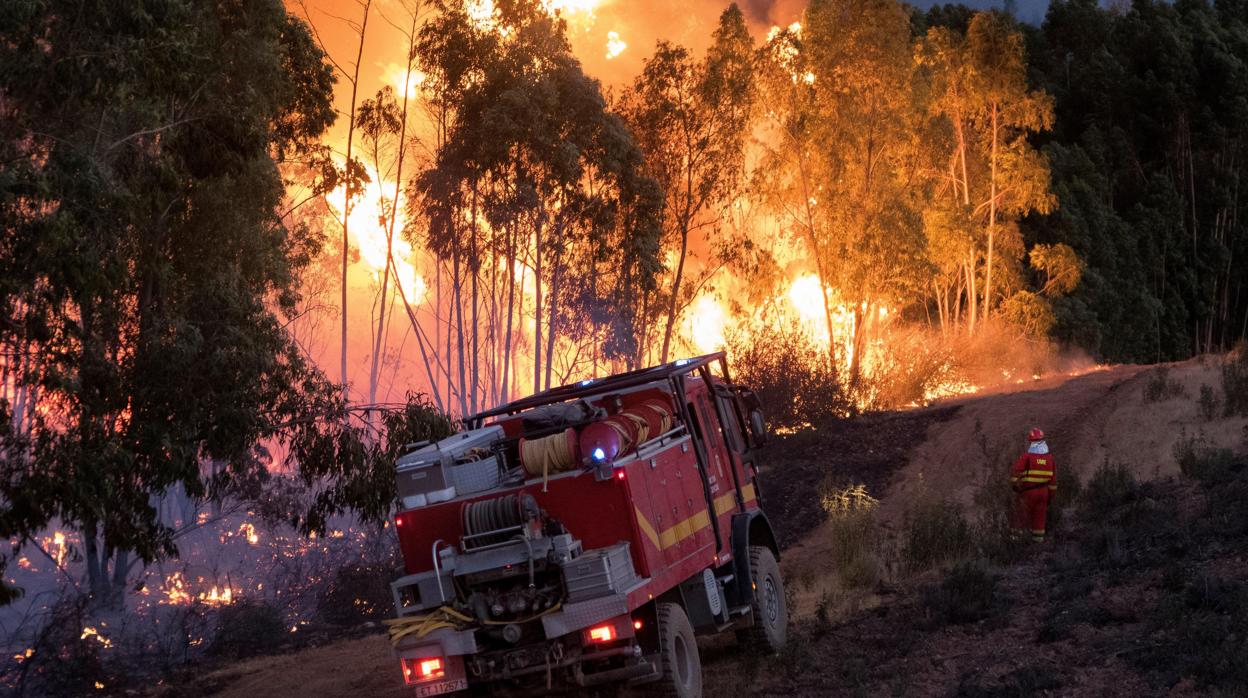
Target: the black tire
pixel 678 653
pixel 769 610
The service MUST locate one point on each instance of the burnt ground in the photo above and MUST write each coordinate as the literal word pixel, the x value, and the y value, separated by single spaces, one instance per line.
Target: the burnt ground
pixel 869 449
pixel 1144 592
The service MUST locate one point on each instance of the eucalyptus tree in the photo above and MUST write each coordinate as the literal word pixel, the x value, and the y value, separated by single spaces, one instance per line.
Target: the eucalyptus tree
pixel 843 165
pixel 144 264
pixel 534 177
pixel 692 119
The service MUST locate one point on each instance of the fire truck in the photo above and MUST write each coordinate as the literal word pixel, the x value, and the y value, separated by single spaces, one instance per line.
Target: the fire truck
pixel 585 536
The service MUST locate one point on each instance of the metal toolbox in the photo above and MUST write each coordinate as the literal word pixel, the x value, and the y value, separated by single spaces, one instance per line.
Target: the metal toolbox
pixel 599 572
pixel 459 464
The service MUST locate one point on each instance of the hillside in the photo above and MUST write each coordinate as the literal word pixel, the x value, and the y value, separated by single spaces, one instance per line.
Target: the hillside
pixel 1137 593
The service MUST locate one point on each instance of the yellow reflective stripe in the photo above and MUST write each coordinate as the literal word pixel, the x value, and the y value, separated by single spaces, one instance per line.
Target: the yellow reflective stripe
pixel 1039 472
pixel 1035 479
pixel 646 528
pixel 692 525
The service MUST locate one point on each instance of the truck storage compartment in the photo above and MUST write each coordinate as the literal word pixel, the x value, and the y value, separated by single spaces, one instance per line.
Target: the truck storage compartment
pixel 599 572
pixel 460 464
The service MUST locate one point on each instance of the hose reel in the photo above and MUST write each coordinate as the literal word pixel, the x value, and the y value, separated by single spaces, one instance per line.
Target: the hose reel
pixel 491 521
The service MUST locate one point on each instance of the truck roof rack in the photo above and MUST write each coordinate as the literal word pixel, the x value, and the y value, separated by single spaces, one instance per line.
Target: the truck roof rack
pixel 587 388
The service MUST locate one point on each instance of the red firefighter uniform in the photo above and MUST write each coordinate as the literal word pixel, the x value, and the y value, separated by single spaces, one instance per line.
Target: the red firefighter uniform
pixel 1034 479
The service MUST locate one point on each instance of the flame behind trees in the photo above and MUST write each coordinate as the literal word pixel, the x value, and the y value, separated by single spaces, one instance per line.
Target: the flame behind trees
pixel 535 199
pixel 843 170
pixel 692 119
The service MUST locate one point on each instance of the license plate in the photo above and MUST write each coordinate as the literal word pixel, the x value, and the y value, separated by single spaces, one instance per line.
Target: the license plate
pixel 442 688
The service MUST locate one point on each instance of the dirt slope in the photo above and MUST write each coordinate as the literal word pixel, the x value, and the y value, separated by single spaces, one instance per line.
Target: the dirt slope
pixel 1087 418
pixel 947 450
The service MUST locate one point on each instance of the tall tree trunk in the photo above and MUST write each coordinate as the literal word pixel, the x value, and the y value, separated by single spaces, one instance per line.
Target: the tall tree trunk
pixel 552 316
pixel 474 265
pixel 675 299
pixel 346 198
pixel 511 304
pixel 96 576
pixel 458 298
pixel 992 217
pixel 537 305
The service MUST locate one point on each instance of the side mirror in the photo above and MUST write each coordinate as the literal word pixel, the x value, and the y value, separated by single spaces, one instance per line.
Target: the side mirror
pixel 758 427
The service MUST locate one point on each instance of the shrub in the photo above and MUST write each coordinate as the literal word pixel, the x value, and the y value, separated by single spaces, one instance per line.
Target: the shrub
pixel 357 594
pixel 1199 634
pixel 1235 382
pixel 1201 461
pixel 851 522
pixel 936 532
pixel 1111 486
pixel 65 660
pixel 966 594
pixel 1208 403
pixel 1160 387
pixel 247 629
pixel 792 376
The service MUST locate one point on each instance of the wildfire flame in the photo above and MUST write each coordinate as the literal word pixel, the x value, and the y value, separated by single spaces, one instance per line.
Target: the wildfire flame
pixel 615 45
pixel 93 633
pixel 250 532
pixel 707 324
pixel 368 232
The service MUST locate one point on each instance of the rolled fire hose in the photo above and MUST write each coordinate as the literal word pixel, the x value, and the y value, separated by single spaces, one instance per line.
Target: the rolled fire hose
pixel 554 453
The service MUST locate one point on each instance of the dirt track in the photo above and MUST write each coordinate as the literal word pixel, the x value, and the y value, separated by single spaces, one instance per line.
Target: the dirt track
pixel 947 450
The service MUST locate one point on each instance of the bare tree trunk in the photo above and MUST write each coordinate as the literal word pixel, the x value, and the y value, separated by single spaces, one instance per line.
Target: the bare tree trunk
pixel 346 207
pixel 675 299
pixel 474 266
pixel 511 303
pixel 537 306
pixel 552 316
pixel 992 217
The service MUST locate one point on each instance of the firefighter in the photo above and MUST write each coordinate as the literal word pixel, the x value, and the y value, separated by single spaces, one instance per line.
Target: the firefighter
pixel 1034 479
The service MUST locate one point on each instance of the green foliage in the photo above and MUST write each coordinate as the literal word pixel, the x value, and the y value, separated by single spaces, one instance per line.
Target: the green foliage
pixel 1139 88
pixel 353 470
pixel 145 269
pixel 1198 634
pixel 692 120
pixel 1160 387
pixel 527 143
pixel 936 532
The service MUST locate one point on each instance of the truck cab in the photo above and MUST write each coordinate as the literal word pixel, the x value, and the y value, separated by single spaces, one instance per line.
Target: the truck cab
pixel 584 535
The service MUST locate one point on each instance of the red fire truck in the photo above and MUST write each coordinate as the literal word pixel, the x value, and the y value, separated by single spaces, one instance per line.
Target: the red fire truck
pixel 585 535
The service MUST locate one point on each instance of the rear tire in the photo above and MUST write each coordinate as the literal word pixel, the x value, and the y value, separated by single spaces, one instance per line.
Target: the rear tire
pixel 770 608
pixel 678 653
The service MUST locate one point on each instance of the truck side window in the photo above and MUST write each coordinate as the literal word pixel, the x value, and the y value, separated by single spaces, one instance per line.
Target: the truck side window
pixel 732 424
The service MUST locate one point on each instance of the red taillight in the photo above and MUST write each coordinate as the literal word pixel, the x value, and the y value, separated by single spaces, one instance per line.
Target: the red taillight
pixel 417 670
pixel 398 521
pixel 602 633
pixel 619 474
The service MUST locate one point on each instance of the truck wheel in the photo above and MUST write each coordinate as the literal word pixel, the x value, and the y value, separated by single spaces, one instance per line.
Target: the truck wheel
pixel 770 611
pixel 678 652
